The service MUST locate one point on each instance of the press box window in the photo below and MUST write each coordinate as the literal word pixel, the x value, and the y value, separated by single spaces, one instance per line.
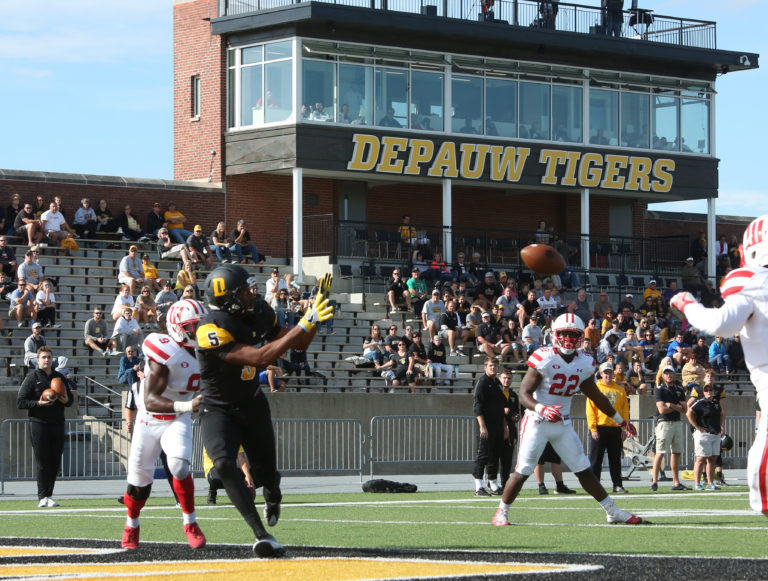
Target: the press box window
pixel 196 96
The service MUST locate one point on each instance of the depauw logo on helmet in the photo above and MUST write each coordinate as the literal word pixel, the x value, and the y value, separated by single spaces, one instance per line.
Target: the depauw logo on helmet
pixel 219 288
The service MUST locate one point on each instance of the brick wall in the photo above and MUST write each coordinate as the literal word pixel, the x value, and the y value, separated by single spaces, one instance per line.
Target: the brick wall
pixel 198 52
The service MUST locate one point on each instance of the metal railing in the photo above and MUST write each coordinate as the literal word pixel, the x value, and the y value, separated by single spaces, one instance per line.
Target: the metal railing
pixel 93 396
pixel 637 23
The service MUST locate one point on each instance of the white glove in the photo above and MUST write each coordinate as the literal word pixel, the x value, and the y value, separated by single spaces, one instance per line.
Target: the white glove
pixel 681 300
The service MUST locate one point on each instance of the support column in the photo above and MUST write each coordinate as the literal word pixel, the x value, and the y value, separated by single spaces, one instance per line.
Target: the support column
pixel 298 223
pixel 585 230
pixel 712 239
pixel 447 222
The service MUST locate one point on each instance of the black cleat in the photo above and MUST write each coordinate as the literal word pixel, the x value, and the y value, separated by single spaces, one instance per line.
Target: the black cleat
pixel 268 547
pixel 564 490
pixel 271 513
pixel 543 489
pixel 211 496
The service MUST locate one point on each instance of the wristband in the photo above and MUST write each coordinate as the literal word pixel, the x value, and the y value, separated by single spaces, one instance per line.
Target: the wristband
pixel 539 408
pixel 182 407
pixel 617 418
pixel 305 325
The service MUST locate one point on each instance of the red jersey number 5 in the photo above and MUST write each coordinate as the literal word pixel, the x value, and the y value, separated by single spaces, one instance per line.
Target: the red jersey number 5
pixel 562 385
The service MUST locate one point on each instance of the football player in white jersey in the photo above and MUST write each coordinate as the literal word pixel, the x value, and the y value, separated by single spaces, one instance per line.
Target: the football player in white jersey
pixel 168 395
pixel 554 375
pixel 744 312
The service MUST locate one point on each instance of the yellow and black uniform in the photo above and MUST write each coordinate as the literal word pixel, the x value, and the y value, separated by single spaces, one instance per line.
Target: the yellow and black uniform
pixel 234 411
pixel 609 433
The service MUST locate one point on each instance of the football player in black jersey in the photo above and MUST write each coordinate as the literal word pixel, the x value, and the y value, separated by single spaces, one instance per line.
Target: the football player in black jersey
pixel 239 336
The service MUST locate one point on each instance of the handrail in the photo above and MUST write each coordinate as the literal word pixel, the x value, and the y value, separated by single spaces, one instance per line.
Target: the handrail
pixel 638 23
pixel 90 385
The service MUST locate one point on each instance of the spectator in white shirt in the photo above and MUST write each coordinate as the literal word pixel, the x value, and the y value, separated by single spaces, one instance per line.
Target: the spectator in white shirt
pixel 55 226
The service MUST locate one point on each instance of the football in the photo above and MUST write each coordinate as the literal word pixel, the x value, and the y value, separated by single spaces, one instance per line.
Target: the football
pixel 49 394
pixel 57 385
pixel 542 259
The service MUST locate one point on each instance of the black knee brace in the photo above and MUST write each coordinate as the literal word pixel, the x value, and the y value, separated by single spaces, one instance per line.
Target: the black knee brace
pixel 139 492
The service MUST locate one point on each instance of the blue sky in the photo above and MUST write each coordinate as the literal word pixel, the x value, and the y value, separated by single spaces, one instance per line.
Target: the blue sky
pixel 87 87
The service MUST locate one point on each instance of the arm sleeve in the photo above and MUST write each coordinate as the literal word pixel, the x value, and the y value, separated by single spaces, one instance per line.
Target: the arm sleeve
pixel 726 320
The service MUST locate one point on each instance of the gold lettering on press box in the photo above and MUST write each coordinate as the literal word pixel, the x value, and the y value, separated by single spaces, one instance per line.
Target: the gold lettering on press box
pixel 471 161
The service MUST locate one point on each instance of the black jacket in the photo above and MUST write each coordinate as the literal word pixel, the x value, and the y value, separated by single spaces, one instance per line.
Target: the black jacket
pixel 30 391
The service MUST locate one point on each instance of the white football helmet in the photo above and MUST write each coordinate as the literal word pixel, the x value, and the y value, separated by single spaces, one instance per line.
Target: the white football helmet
pixel 567 332
pixel 756 242
pixel 182 320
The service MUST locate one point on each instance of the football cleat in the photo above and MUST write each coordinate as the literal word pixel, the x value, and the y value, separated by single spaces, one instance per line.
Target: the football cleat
pixel 268 547
pixel 564 490
pixel 481 492
pixel 50 503
pixel 501 519
pixel 271 513
pixel 195 536
pixel 622 516
pixel 130 538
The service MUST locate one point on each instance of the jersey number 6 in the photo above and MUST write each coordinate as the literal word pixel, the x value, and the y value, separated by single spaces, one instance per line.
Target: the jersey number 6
pixel 562 385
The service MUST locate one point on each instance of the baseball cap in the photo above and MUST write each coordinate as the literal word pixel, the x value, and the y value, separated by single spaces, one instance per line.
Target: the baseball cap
pixel 489 273
pixel 198 228
pixel 436 292
pixel 252 281
pixel 502 275
pixel 171 203
pixel 167 283
pixel 606 365
pixel 36 325
pixel 629 296
pixel 486 314
pixel 652 282
pixel 275 271
pixel 690 258
pixel 133 247
pixel 668 368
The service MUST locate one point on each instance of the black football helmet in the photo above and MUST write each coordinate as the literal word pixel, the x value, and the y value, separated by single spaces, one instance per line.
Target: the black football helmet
pixel 222 287
pixel 726 443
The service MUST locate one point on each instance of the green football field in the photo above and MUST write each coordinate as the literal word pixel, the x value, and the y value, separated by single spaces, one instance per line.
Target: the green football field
pixel 713 524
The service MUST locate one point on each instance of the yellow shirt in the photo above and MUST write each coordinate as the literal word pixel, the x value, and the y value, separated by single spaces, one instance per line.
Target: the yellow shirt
pixel 168 215
pixel 651 292
pixel 618 398
pixel 150 271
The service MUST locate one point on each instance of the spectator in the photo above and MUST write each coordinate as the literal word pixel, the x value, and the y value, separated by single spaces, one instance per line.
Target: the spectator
pixel 606 434
pixel 38 206
pixel 95 334
pixel 532 335
pixel 397 292
pixel 734 252
pixel 606 347
pixel 736 354
pixel 373 346
pixel 11 212
pixel 28 225
pixel 488 338
pixel 220 244
pixel 418 353
pixel 55 227
pixel 670 403
pixel 693 280
pixel 198 249
pixel 167 249
pixel 710 298
pixel 274 285
pixel 476 268
pixel 151 278
pixel 436 358
pixel 651 353
pixel 718 356
pixel 438 271
pixel 281 305
pixel 549 306
pixel 651 291
pixel 45 304
pixel 530 306
pixel 31 271
pixel 6 287
pixel 701 351
pixel 186 277
pixel 46 428
pixel 164 299
pixel 417 261
pixel 300 365
pixel 602 306
pixel 106 222
pixel 127 332
pixel 146 308
pixel 671 291
pixel 580 306
pixel 508 302
pixel 85 221
pixel 636 379
pixel 32 344
pixel 69 378
pixel 8 262
pixel 399 368
pixel 630 348
pixel 189 292
pixel 390 341
pixel 627 306
pixel 131 271
pixel 592 332
pixel 678 348
pixel 242 245
pixel 511 340
pixel 648 307
pixel 488 291
pixel 175 221
pixel 408 235
pixel 123 300
pixel 450 328
pixel 431 312
pixel 130 367
pixel 22 304
pixel 155 220
pixel 460 270
pixel 417 288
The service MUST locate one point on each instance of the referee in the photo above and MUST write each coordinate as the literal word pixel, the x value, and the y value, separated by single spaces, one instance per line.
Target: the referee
pixel 239 336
